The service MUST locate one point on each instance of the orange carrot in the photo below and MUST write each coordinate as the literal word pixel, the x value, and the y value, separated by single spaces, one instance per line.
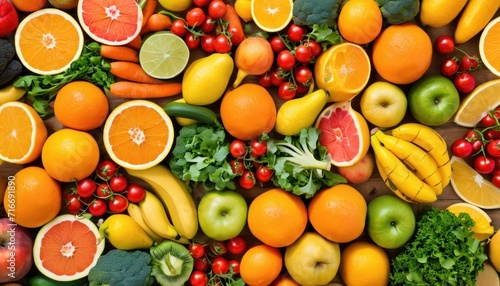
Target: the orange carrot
pixel 132 72
pixel 156 22
pixel 135 90
pixel 148 10
pixel 135 43
pixel 120 53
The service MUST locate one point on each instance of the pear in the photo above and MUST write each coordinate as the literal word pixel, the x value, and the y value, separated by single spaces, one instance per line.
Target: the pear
pixel 298 113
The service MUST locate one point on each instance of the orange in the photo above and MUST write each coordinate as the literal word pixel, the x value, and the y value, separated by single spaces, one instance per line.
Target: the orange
pixel 360 21
pixel 48 40
pixel 494 251
pixel 489 46
pixel 248 111
pixel 472 187
pixel 284 279
pixel 81 105
pixel 29 5
pixel 338 213
pixel 478 103
pixel 343 70
pixel 138 134
pixel 277 217
pixel 402 53
pixel 260 265
pixel 70 155
pixel 364 263
pixel 35 200
pixel 482 228
pixel 22 133
pixel 271 15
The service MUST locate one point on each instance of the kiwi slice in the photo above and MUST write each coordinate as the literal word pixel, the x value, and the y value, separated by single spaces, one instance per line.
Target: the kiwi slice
pixel 171 263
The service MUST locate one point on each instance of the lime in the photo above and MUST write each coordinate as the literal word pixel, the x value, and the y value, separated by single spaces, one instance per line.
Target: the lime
pixel 163 55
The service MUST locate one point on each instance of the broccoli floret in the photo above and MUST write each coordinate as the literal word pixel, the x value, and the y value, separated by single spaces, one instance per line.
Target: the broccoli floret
pixel 122 268
pixel 312 12
pixel 399 11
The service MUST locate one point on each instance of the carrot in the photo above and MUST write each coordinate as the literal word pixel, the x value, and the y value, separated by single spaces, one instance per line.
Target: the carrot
pixel 157 22
pixel 135 90
pixel 135 43
pixel 234 25
pixel 132 72
pixel 148 9
pixel 119 53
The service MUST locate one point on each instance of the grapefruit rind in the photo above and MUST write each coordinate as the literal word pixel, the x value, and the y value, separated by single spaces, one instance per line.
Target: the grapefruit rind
pixel 56 222
pixel 485 96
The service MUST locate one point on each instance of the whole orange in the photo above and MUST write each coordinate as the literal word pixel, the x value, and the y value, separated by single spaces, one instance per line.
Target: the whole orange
pixel 402 53
pixel 81 105
pixel 364 263
pixel 70 155
pixel 261 265
pixel 29 5
pixel 248 111
pixel 33 199
pixel 277 217
pixel 360 21
pixel 338 213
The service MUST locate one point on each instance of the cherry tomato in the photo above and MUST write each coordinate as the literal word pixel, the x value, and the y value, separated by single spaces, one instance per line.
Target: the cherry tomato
pixel 106 169
pixel 277 77
pixel 207 43
pixel 303 74
pixel 468 63
pixel 303 54
pixel 237 166
pixel 449 67
pixel 234 265
pixel 209 24
pixel 222 44
pixel 258 147
pixel 477 146
pixel 302 88
pixel 495 178
pixel 287 90
pixel 265 80
pixel 197 250
pixel 195 17
pixel 285 60
pixel 216 9
pixel 472 134
pixel 118 204
pixel 491 134
pixel 118 183
pixel 201 3
pixel 198 278
pixel 444 44
pixel 86 188
pixel 201 263
pixel 497 163
pixel 98 207
pixel 220 265
pixel 277 44
pixel 461 148
pixel 192 41
pixel 464 82
pixel 135 193
pixel 178 28
pixel 296 33
pixel 236 245
pixel 73 203
pixel 314 46
pixel 247 180
pixel 488 120
pixel 264 174
pixel 484 164
pixel 236 34
pixel 218 248
pixel 237 148
pixel 493 148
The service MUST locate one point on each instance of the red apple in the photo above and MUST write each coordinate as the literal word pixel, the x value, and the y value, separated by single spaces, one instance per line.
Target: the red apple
pixel 16 246
pixel 359 172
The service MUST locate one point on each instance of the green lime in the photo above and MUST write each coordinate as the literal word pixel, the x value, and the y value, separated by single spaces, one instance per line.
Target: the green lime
pixel 163 55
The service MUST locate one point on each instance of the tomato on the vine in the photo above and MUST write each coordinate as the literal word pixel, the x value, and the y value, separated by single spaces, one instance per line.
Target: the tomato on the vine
pixel 314 46
pixel 491 134
pixel 73 203
pixel 201 3
pixel 493 148
pixel 98 207
pixel 220 265
pixel 484 164
pixel 444 44
pixel 106 169
pixel 303 54
pixel 201 263
pixel 236 245
pixel 178 28
pixel 488 120
pixel 218 248
pixel 296 33
pixel 222 44
pixel 277 77
pixel 135 193
pixel 86 187
pixel 258 147
pixel 461 148
pixel 103 190
pixel 285 60
pixel 303 74
pixel 264 174
pixel 237 166
pixel 247 180
pixel 265 80
pixel 198 278
pixel 237 148
pixel 118 183
pixel 449 67
pixel 277 44
pixel 207 43
pixel 468 63
pixel 197 250
pixel 118 204
pixel 303 88
pixel 464 82
pixel 234 265
pixel 209 24
pixel 195 17
pixel 192 41
pixel 287 90
pixel 495 178
pixel 216 9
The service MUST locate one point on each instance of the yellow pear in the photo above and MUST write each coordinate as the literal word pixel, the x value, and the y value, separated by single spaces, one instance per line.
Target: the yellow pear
pixel 124 233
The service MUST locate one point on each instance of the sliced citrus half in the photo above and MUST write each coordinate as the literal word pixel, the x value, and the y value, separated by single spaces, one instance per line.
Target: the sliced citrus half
pixel 111 22
pixel 489 46
pixel 48 40
pixel 22 133
pixel 163 55
pixel 271 15
pixel 472 187
pixel 482 228
pixel 138 134
pixel 343 70
pixel 344 132
pixel 478 103
pixel 67 247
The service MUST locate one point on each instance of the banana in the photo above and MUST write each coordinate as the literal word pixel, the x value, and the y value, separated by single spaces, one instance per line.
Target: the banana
pixel 390 185
pixel 405 180
pixel 11 93
pixel 135 212
pixel 175 195
pixel 431 141
pixel 156 218
pixel 415 157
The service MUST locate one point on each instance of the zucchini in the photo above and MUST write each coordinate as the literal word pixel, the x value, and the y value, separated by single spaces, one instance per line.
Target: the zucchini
pixel 42 280
pixel 201 114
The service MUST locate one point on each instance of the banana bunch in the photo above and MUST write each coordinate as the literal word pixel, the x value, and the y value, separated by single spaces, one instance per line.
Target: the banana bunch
pixel 413 161
pixel 168 211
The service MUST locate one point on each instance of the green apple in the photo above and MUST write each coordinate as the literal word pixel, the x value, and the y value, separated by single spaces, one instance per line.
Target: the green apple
pixel 433 100
pixel 312 259
pixel 222 214
pixel 390 221
pixel 383 104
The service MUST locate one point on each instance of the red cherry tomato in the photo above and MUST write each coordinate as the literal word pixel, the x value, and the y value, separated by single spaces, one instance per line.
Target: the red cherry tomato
pixel 296 33
pixel 287 90
pixel 118 204
pixel 449 67
pixel 86 188
pixel 216 9
pixel 303 74
pixel 303 54
pixel 247 180
pixel 236 245
pixel 258 147
pixel 264 174
pixel 444 44
pixel 488 120
pixel 135 193
pixel 491 134
pixel 220 265
pixel 495 178
pixel 234 265
pixel 98 207
pixel 468 63
pixel 493 148
pixel 192 41
pixel 201 263
pixel 201 3
pixel 178 28
pixel 73 203
pixel 285 60
pixel 222 44
pixel 118 183
pixel 207 43
pixel 218 248
pixel 477 146
pixel 197 250
pixel 106 169
pixel 198 278
pixel 464 82
pixel 461 148
pixel 209 24
pixel 195 17
pixel 277 77
pixel 237 166
pixel 265 80
pixel 103 191
pixel 484 164
pixel 314 46
pixel 237 148
pixel 277 44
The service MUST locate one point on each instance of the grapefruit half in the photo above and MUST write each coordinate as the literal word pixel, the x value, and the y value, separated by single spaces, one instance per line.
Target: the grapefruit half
pixel 110 22
pixel 67 247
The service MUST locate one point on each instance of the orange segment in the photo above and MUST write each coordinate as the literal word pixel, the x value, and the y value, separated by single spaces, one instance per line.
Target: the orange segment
pixel 477 104
pixel 22 133
pixel 483 228
pixel 138 134
pixel 471 187
pixel 489 46
pixel 48 40
pixel 272 15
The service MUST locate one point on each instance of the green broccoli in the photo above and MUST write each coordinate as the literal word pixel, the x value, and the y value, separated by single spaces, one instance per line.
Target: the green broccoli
pixel 122 268
pixel 399 11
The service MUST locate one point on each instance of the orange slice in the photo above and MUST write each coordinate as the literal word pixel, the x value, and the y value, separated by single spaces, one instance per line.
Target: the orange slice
pixel 138 134
pixel 483 228
pixel 489 46
pixel 478 103
pixel 22 133
pixel 48 40
pixel 471 187
pixel 343 70
pixel 272 15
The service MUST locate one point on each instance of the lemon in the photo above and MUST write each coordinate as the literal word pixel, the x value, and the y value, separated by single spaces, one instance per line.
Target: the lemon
pixel 176 5
pixel 494 251
pixel 243 9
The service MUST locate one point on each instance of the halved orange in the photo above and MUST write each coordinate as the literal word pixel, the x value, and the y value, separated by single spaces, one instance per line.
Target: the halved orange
pixel 22 133
pixel 478 103
pixel 48 40
pixel 343 70
pixel 482 228
pixel 271 15
pixel 489 46
pixel 472 187
pixel 138 134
